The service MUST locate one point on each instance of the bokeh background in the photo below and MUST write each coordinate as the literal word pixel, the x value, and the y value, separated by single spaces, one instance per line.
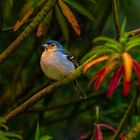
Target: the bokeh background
pixel 21 76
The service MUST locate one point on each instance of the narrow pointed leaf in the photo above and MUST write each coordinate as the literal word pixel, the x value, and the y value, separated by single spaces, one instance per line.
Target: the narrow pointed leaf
pixel 108 40
pixel 62 22
pixel 2 137
pixel 99 135
pixel 100 59
pixel 95 76
pixel 11 135
pixel 136 67
pixel 39 30
pixel 112 129
pixel 122 137
pixel 85 137
pixel 126 86
pixel 123 28
pixel 43 27
pixel 8 4
pixel 133 42
pixel 2 120
pixel 108 127
pixel 35 3
pixel 37 133
pixel 26 7
pixel 19 23
pixel 114 82
pixel 127 61
pixel 100 78
pixel 70 17
pixel 80 9
pixel 137 44
pixel 4 126
pixel 46 137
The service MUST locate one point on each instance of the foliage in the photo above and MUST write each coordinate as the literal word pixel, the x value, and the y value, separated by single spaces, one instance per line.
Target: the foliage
pixel 109 59
pixel 5 134
pixel 116 54
pixel 37 135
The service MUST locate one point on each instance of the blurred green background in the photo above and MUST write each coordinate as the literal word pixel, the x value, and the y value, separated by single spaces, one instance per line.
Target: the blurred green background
pixel 21 76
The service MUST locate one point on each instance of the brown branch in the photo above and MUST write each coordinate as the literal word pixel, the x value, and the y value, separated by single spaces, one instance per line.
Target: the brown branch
pixel 55 119
pixel 7 52
pixel 134 32
pixel 65 104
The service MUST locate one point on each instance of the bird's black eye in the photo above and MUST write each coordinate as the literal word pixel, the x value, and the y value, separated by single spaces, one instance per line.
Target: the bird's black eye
pixel 52 45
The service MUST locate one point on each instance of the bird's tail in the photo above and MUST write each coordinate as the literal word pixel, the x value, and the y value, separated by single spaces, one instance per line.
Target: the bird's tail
pixel 79 89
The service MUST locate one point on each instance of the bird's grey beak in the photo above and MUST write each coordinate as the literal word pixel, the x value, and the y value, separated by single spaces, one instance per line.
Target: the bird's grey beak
pixel 45 45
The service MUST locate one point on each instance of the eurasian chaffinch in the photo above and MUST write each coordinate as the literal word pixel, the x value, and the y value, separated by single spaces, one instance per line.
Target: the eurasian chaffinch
pixel 56 63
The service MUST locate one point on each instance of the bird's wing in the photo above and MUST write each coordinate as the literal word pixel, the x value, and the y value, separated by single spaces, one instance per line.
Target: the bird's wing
pixel 70 57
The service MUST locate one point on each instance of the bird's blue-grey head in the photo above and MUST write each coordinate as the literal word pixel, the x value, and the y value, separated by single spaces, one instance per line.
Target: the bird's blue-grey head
pixel 52 44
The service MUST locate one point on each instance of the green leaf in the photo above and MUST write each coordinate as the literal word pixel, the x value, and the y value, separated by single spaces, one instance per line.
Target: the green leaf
pixel 35 3
pixel 4 126
pixel 123 28
pixel 134 42
pixel 107 40
pixel 46 137
pixel 27 6
pixel 11 135
pixel 2 120
pixel 7 9
pixel 37 133
pixel 113 47
pixel 62 22
pixel 3 137
pixel 135 119
pixel 80 9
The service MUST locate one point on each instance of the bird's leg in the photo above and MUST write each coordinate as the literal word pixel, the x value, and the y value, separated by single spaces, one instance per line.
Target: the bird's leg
pixel 79 89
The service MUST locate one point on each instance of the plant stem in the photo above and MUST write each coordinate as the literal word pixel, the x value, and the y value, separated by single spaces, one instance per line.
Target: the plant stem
pixel 134 32
pixel 126 115
pixel 65 104
pixel 116 19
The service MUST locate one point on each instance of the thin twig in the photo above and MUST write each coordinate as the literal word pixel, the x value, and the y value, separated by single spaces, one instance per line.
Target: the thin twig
pixel 65 104
pixel 116 19
pixel 7 52
pixel 134 32
pixel 126 115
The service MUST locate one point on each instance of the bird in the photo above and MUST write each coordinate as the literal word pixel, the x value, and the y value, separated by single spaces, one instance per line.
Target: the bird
pixel 56 63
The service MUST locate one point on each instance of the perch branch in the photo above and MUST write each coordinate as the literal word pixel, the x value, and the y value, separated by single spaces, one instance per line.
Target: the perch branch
pixel 41 94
